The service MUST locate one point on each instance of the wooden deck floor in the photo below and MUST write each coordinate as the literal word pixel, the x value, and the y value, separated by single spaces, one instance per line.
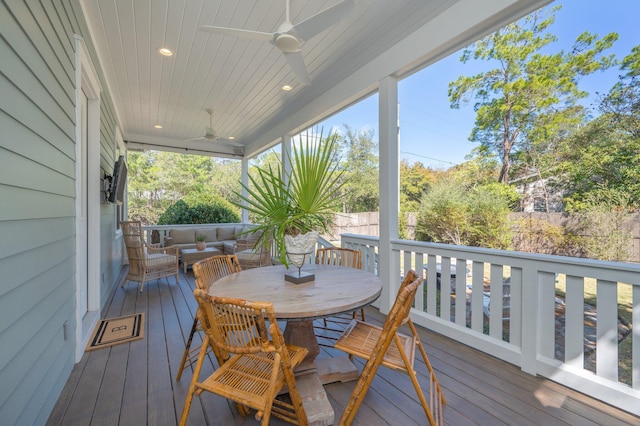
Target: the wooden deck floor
pixel 134 383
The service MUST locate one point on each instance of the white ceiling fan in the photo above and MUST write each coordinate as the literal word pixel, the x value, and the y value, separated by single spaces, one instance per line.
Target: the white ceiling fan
pixel 290 38
pixel 211 135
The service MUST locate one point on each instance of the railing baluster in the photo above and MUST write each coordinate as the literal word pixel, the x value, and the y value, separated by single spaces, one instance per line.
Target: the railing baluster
pixel 461 292
pixel 445 288
pixel 574 322
pixel 515 307
pixel 546 314
pixel 477 289
pixel 495 304
pixel 607 330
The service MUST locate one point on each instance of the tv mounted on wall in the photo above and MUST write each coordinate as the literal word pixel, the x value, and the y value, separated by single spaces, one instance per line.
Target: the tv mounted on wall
pixel 116 191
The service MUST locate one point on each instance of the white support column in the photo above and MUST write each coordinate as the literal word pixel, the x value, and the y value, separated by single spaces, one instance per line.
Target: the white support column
pixel 389 175
pixel 286 156
pixel 244 176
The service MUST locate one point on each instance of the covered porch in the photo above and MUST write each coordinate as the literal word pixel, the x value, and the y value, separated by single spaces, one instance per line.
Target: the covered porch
pixel 134 383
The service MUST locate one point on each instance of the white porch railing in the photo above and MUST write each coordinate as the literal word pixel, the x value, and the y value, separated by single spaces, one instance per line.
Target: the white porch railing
pixel 545 331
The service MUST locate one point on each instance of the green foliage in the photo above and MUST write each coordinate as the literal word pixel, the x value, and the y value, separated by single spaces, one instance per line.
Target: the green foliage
pixel 622 103
pixel 601 158
pixel 529 96
pixel 602 218
pixel 454 214
pixel 360 191
pixel 205 209
pixel 535 235
pixel 482 166
pixel 156 180
pixel 504 192
pixel 300 201
pixel 414 181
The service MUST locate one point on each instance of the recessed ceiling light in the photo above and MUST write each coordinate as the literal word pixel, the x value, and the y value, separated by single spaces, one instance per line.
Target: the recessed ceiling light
pixel 286 87
pixel 231 137
pixel 165 52
pixel 158 126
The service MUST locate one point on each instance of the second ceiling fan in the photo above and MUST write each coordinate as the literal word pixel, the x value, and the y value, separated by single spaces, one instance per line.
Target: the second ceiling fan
pixel 289 38
pixel 211 135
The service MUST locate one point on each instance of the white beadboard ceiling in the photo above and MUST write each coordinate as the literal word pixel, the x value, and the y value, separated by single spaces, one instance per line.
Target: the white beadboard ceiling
pixel 241 80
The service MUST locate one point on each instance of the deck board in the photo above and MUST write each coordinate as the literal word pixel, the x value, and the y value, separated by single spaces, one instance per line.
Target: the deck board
pixel 134 383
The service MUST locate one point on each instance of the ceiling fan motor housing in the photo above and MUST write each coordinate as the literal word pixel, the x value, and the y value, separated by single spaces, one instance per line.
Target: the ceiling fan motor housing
pixel 288 43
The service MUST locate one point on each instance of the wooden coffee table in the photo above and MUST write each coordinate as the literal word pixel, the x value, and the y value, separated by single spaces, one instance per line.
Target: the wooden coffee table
pixel 191 256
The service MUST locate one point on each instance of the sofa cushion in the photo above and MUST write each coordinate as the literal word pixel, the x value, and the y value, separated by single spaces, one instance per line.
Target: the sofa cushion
pixel 226 233
pixel 182 236
pixel 229 247
pixel 210 234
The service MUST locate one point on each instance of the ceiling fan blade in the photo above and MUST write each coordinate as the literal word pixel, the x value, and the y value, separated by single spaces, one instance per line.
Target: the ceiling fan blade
pixel 296 61
pixel 321 21
pixel 237 32
pixel 229 142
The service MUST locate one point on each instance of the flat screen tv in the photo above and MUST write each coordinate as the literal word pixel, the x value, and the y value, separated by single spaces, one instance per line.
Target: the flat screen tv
pixel 116 192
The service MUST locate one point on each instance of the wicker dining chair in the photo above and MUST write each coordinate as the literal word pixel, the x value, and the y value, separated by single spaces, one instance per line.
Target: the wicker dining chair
pixel 340 257
pixel 386 346
pixel 206 271
pixel 257 363
pixel 147 262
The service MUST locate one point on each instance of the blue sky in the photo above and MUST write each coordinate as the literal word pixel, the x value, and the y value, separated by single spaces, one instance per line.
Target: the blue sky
pixel 437 136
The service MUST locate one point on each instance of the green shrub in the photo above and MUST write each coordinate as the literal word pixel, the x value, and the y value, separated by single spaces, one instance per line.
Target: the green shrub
pixel 198 209
pixel 535 235
pixel 602 225
pixel 450 213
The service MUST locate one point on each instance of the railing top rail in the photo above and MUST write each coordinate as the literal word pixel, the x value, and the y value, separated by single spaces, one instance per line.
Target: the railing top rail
pixel 623 272
pixel 194 225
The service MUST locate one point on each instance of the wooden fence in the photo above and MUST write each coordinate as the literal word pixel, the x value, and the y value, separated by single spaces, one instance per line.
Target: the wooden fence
pixel 368 224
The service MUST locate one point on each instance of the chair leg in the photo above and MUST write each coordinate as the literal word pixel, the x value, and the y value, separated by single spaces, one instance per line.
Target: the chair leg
pixel 436 395
pixel 359 392
pixel 414 381
pixel 194 380
pixel 187 348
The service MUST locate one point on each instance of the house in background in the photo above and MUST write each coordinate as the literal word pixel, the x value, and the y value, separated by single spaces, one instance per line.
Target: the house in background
pixel 82 82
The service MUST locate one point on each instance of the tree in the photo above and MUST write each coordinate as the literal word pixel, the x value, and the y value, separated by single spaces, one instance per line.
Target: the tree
pixel 603 156
pixel 622 103
pixel 360 171
pixel 144 194
pixel 225 178
pixel 529 94
pixel 414 181
pixel 158 179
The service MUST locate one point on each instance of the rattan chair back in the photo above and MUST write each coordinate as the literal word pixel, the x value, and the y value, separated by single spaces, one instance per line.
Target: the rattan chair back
pixel 211 269
pixel 259 364
pixel 386 346
pixel 147 262
pixel 339 256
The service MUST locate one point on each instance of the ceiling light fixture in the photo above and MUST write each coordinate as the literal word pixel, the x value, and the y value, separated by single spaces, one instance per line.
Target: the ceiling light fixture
pixel 158 126
pixel 165 52
pixel 231 137
pixel 286 87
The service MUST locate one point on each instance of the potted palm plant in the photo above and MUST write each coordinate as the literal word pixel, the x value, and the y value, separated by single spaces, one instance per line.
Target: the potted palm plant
pixel 296 206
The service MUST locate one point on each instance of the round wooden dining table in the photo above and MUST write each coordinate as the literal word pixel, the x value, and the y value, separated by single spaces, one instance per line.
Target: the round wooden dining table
pixel 334 290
